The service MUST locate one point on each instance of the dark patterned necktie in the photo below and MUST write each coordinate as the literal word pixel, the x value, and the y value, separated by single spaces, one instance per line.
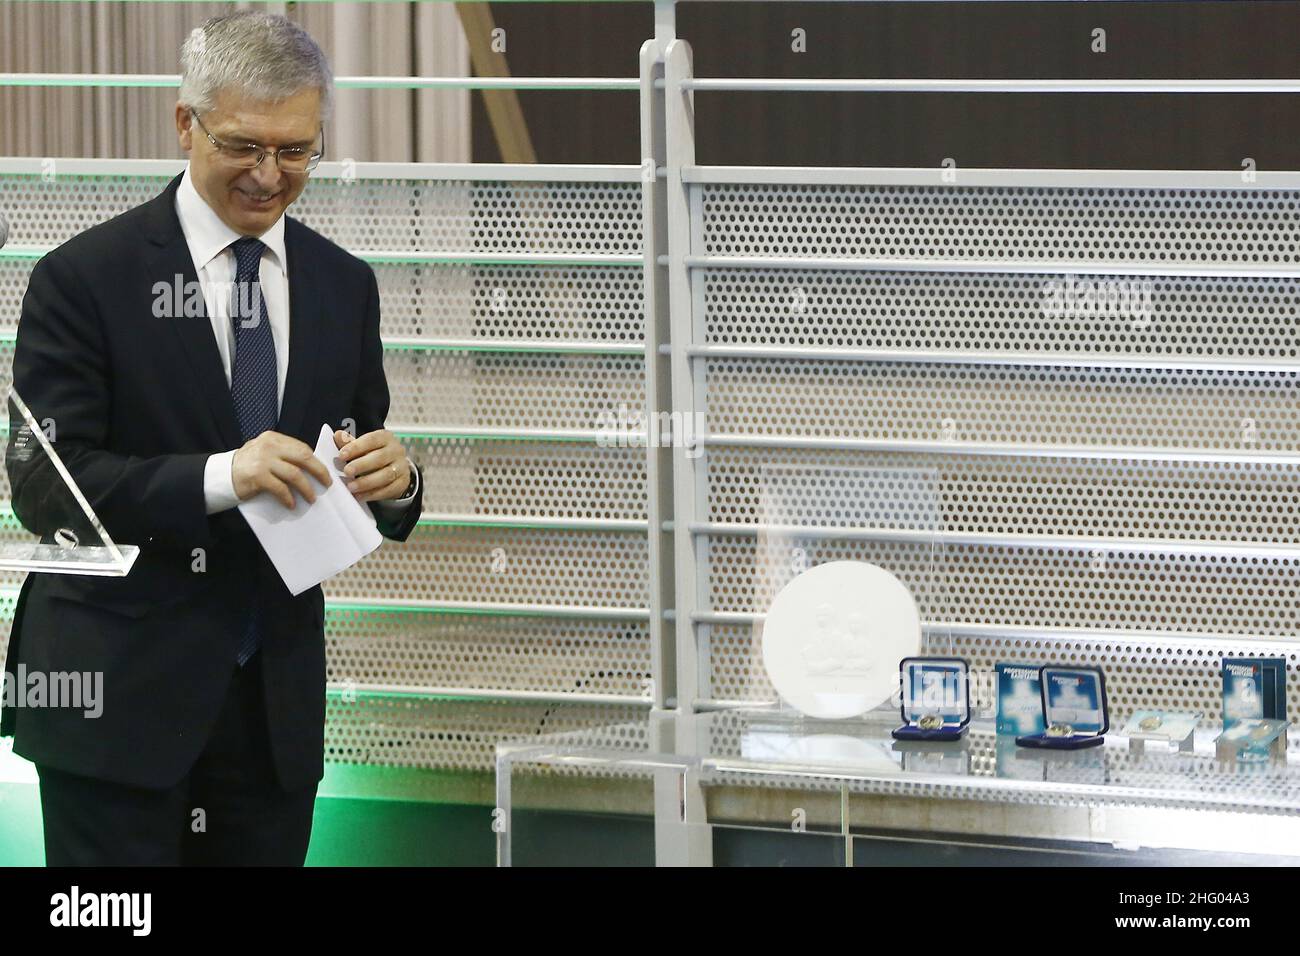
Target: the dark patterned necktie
pixel 253 381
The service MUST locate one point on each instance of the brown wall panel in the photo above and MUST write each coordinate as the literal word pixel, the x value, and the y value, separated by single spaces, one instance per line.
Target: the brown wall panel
pixel 1207 40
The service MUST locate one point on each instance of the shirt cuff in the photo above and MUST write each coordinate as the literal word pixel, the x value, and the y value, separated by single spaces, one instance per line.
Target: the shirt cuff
pixel 218 483
pixel 396 505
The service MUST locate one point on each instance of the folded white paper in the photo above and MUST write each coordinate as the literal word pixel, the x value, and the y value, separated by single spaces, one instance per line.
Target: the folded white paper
pixel 313 542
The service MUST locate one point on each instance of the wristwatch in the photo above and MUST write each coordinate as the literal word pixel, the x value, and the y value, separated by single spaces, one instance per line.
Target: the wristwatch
pixel 412 486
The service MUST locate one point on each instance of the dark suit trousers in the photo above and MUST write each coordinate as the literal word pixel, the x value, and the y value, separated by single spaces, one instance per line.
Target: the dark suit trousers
pixel 229 810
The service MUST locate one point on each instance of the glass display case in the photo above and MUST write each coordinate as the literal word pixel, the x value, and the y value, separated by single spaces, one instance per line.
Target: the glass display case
pixel 777 770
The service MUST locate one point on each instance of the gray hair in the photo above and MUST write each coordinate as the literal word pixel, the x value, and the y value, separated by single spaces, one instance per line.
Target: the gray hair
pixel 259 55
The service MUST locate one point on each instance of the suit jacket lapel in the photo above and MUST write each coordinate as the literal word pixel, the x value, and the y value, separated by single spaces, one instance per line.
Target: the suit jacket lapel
pixel 170 257
pixel 305 331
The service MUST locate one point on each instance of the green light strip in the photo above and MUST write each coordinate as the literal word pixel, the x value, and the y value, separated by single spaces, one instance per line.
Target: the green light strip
pixel 632 261
pixel 337 694
pixel 87 84
pixel 433 436
pixel 335 609
pixel 396 83
pixel 522 524
pixel 106 2
pixel 557 348
pixel 9 521
pixel 8 339
pixel 430 437
pixel 363 608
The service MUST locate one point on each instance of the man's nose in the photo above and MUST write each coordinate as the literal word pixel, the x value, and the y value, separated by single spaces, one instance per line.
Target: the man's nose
pixel 267 174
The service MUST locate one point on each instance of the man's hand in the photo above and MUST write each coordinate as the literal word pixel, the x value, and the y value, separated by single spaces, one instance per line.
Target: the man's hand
pixel 277 464
pixel 376 465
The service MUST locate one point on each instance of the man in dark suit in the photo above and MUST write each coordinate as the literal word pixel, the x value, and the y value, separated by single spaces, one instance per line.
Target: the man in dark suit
pixel 209 747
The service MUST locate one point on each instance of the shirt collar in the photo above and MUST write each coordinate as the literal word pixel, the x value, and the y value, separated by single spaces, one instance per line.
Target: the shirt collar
pixel 207 235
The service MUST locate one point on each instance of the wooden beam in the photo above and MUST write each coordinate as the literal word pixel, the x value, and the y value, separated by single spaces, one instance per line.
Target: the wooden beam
pixel 504 112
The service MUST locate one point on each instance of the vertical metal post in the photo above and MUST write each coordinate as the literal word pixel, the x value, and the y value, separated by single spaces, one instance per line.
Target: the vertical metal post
pixel 658 384
pixel 502 822
pixel 688 466
pixel 682 834
pixel 846 829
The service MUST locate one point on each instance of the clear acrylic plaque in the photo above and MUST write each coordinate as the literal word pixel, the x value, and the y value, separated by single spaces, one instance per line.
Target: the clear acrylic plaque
pixel 889 517
pixel 49 525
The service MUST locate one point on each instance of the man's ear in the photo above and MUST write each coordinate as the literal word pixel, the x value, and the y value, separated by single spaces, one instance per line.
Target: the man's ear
pixel 184 127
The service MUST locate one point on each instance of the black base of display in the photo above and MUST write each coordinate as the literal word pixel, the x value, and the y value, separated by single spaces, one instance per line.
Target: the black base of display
pixel 1080 742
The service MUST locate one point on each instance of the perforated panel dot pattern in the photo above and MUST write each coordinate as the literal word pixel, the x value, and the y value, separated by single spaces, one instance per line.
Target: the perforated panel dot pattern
pixel 1238 411
pixel 978 370
pixel 511 390
pixel 392 215
pixel 437 385
pixel 428 301
pixel 1211 318
pixel 1003 222
pixel 503 566
pixel 1212 501
pixel 578 480
pixel 407 731
pixel 469 651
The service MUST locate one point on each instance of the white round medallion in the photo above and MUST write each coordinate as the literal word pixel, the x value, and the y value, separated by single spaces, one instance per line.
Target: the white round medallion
pixel 834 636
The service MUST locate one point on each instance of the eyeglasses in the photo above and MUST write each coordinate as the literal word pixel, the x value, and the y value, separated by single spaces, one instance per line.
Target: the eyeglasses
pixel 290 159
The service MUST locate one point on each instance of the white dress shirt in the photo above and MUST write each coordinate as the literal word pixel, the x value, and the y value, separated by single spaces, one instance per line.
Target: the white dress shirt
pixel 209 241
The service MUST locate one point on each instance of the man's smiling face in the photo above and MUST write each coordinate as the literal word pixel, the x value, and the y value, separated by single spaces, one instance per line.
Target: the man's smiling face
pixel 249 201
